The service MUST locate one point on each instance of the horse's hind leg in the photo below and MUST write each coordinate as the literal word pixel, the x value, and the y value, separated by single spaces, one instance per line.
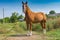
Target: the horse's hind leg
pixel 43 27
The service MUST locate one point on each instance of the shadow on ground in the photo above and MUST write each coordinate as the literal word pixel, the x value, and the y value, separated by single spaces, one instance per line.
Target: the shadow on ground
pixel 21 35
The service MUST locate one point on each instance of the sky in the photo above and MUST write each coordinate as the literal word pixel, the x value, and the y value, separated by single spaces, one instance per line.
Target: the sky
pixel 45 6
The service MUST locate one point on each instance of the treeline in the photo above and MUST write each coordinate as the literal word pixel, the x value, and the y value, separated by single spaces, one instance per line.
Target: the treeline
pixel 13 18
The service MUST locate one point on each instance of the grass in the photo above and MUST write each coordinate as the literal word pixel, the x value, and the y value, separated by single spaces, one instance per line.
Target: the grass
pixel 54 34
pixel 10 28
pixel 7 29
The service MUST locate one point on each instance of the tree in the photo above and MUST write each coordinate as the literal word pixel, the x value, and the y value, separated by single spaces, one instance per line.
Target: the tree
pixel 14 17
pixel 20 17
pixel 6 19
pixel 1 20
pixel 52 12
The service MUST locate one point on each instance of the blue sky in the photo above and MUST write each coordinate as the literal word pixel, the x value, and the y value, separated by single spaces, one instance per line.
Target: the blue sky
pixel 45 6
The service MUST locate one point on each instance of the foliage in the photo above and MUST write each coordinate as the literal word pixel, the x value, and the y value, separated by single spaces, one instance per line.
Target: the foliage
pixel 1 20
pixel 6 19
pixel 52 12
pixel 53 24
pixel 14 16
pixel 57 23
pixel 50 24
pixel 20 17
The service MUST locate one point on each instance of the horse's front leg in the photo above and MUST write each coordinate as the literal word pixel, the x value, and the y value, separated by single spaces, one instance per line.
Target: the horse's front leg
pixel 27 28
pixel 30 28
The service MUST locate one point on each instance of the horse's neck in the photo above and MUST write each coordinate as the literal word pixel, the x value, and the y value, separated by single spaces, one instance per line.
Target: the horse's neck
pixel 28 12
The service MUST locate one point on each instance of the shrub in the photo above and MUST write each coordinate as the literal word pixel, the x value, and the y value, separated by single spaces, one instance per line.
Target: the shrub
pixel 49 25
pixel 53 24
pixel 57 23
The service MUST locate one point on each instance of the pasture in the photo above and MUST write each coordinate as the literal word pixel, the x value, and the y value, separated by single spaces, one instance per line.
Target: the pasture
pixel 18 30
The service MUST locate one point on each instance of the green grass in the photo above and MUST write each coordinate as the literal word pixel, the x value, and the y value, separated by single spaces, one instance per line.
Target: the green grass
pixel 54 34
pixel 10 28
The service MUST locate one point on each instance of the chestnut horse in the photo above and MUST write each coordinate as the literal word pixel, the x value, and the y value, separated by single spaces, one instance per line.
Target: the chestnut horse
pixel 32 17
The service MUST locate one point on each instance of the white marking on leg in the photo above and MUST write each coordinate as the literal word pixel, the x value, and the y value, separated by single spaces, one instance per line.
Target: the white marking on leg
pixel 30 33
pixel 44 31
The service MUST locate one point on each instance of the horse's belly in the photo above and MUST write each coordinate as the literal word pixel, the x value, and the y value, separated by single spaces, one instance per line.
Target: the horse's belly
pixel 35 21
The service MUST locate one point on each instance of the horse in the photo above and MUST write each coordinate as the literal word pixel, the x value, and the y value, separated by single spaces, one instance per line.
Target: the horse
pixel 33 17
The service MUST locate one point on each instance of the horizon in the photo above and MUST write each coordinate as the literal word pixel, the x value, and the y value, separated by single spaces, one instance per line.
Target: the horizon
pixel 45 6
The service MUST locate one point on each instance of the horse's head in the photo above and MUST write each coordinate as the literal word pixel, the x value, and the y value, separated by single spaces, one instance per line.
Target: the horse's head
pixel 24 6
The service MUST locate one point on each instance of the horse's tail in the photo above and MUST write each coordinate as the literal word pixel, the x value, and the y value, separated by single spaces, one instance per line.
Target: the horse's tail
pixel 44 17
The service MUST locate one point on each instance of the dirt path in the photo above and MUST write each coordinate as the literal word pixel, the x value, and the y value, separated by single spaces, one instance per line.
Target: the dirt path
pixel 35 36
pixel 25 37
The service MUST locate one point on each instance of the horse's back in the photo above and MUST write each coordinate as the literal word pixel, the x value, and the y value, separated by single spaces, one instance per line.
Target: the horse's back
pixel 41 15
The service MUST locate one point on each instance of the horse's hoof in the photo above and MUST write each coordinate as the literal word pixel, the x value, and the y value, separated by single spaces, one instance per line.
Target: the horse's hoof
pixel 29 34
pixel 44 31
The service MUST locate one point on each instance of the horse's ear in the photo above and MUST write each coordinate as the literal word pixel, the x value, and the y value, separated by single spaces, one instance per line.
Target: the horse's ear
pixel 22 2
pixel 26 2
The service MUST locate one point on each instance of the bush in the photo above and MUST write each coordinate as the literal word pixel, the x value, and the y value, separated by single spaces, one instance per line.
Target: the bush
pixel 53 24
pixel 50 24
pixel 57 23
